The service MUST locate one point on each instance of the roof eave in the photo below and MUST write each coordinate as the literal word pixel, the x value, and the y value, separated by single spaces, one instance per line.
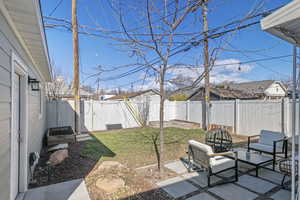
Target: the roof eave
pixel 279 23
pixel 10 10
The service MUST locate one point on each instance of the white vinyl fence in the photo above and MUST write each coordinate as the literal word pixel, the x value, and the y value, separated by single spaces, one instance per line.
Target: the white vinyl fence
pixel 246 117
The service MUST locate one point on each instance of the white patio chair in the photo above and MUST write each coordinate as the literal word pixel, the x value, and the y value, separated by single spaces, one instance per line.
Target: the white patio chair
pixel 214 163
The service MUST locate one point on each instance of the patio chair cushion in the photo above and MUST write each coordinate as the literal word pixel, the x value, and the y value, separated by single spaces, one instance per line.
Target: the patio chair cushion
pixel 267 138
pixel 220 163
pixel 263 147
pixel 203 147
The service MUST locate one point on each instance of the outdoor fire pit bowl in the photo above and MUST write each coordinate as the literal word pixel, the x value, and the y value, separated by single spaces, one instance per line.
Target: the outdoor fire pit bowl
pixel 219 139
pixel 60 135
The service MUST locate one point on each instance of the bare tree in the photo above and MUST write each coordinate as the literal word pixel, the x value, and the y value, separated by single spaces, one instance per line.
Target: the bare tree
pixel 159 42
pixel 58 87
pixel 151 29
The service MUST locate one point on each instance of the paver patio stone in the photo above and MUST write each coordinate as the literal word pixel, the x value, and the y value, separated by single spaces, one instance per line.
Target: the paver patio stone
pixel 200 178
pixel 232 192
pixel 202 196
pixel 228 173
pixel 255 184
pixel 273 176
pixel 69 190
pixel 243 167
pixel 177 187
pixel 177 166
pixel 281 194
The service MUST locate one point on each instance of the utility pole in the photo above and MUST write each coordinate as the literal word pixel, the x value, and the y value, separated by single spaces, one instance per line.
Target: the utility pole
pixel 76 67
pixel 205 111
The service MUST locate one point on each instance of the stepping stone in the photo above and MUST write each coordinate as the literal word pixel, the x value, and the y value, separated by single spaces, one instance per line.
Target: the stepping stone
pixel 110 165
pixel 202 196
pixel 178 167
pixel 83 137
pixel 177 187
pixel 232 192
pixel 273 176
pixel 110 185
pixel 200 178
pixel 281 194
pixel 255 184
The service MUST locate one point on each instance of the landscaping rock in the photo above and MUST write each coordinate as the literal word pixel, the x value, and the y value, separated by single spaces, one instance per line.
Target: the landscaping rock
pixel 57 147
pixel 110 185
pixel 106 165
pixel 58 156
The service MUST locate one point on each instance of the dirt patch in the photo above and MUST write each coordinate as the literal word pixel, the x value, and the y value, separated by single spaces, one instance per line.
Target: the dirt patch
pixel 139 184
pixel 73 167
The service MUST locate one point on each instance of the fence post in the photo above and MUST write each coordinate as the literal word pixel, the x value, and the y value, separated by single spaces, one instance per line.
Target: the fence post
pixel 288 117
pixel 187 109
pixel 282 116
pixel 236 116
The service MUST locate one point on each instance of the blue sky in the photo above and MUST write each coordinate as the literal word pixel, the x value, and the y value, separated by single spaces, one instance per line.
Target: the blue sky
pixel 248 44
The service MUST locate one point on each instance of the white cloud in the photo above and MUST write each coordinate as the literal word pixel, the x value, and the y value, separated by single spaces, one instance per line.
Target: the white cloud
pixel 224 70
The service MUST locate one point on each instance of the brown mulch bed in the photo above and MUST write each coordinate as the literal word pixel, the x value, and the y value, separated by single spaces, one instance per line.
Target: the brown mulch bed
pixel 73 167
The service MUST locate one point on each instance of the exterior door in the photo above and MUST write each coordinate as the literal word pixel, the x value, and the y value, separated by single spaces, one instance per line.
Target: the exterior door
pixel 15 148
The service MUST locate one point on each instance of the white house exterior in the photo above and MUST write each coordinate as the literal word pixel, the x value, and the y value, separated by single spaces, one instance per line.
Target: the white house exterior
pixel 266 89
pixel 23 54
pixel 276 89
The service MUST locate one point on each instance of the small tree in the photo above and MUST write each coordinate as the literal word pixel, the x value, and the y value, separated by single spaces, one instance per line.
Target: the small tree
pixel 159 41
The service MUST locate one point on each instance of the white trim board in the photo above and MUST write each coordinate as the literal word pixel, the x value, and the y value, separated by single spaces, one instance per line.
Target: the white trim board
pixel 17 66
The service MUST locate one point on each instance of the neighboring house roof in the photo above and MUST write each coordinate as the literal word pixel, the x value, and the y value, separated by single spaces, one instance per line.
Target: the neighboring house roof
pixel 26 21
pixel 227 93
pixel 256 87
pixel 130 95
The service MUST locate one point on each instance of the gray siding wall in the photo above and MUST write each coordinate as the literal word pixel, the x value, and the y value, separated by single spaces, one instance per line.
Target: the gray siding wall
pixel 9 44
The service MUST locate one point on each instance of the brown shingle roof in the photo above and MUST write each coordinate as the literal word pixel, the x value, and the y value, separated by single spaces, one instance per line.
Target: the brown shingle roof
pixel 232 94
pixel 257 87
pixel 225 93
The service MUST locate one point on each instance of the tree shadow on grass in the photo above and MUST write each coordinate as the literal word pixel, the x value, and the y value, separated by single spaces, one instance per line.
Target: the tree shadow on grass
pixel 95 149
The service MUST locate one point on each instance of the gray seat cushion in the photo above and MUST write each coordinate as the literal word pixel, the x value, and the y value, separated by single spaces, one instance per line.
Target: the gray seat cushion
pixel 263 147
pixel 268 137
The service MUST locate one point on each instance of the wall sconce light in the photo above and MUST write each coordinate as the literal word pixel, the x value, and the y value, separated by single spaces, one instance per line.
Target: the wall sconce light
pixel 35 84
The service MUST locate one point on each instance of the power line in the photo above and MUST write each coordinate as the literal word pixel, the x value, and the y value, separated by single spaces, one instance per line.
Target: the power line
pixel 217 65
pixel 54 9
pixel 261 65
pixel 196 43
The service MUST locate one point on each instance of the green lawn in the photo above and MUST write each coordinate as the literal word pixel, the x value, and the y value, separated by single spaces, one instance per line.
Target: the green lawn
pixel 134 147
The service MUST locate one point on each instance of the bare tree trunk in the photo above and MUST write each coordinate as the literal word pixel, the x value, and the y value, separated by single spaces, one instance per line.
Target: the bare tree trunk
pixel 161 125
pixel 205 125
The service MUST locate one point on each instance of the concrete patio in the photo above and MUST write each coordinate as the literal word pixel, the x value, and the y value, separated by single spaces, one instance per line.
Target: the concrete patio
pixel 193 186
pixel 70 190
